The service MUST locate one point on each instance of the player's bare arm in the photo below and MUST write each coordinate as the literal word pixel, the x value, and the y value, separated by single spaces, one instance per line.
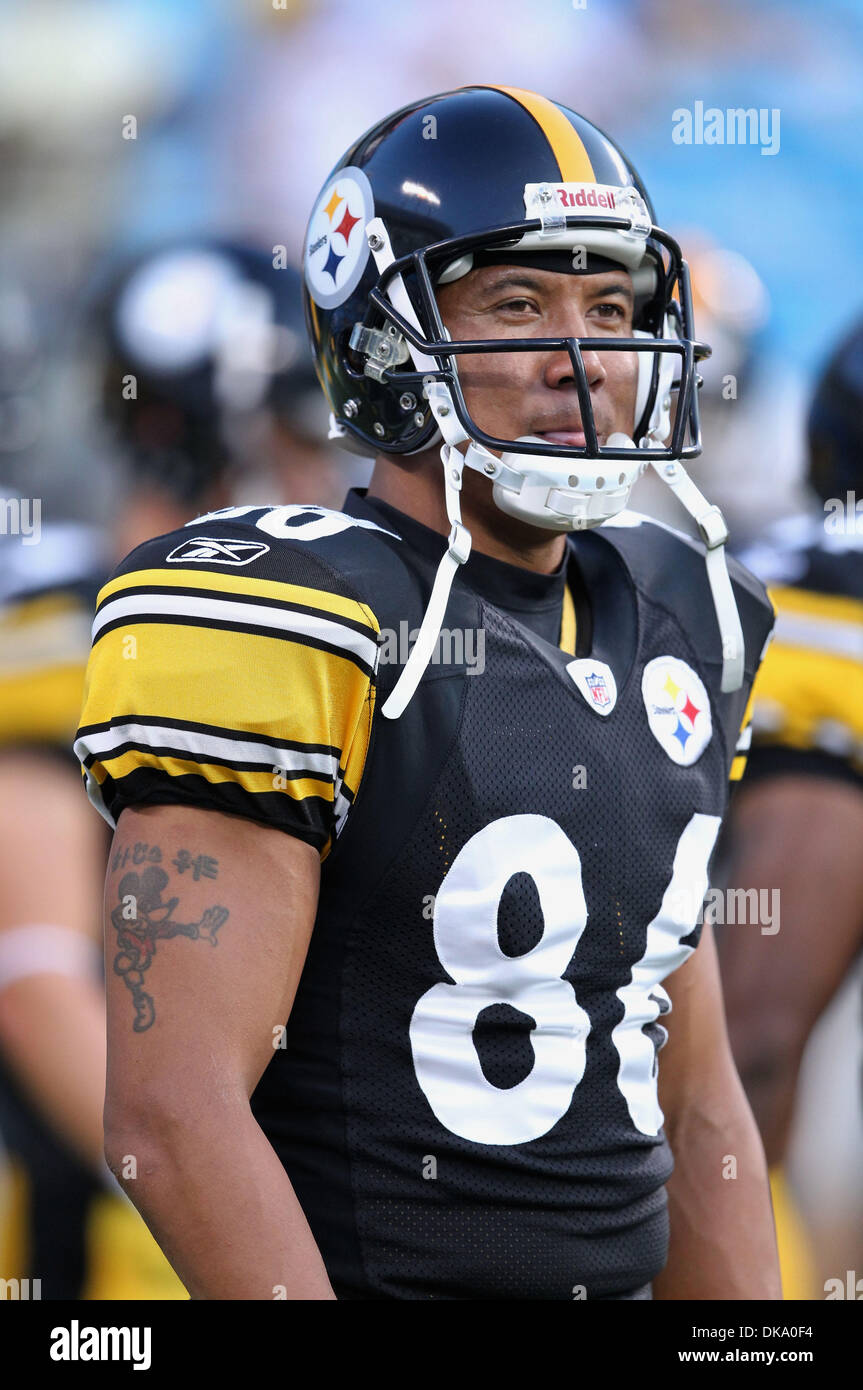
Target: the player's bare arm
pixel 207 922
pixel 722 1243
pixel 51 856
pixel 784 839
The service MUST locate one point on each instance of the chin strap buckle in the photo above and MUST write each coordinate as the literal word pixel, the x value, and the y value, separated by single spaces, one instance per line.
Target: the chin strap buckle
pixel 459 542
pixel 711 525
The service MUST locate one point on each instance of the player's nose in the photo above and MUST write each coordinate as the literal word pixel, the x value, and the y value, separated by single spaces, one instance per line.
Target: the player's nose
pixel 559 368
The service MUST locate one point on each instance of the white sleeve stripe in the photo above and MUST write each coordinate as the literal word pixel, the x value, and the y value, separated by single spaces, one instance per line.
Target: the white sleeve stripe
pixel 207 748
pixel 151 605
pixel 745 740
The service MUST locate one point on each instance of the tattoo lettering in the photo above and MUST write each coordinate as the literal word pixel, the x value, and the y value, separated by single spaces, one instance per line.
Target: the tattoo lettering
pixel 202 866
pixel 138 854
pixel 140 920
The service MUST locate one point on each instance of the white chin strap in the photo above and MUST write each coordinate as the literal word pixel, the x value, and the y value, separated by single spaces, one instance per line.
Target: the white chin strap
pixel 457 551
pixel 458 546
pixel 714 533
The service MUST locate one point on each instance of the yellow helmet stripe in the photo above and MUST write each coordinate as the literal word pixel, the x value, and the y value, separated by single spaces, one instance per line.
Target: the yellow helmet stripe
pixel 566 144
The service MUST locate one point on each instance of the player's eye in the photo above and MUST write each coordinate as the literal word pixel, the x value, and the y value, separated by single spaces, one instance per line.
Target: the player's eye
pixel 615 311
pixel 517 306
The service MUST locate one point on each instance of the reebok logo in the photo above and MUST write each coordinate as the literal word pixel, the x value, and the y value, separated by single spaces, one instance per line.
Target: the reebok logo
pixel 212 550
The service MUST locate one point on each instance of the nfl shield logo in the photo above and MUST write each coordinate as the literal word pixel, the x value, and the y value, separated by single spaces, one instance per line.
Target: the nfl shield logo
pixel 598 688
pixel 595 680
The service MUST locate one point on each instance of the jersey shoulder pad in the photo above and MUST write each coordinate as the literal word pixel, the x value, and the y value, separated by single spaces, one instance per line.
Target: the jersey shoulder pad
pixel 276 543
pixel 668 567
pixel 234 668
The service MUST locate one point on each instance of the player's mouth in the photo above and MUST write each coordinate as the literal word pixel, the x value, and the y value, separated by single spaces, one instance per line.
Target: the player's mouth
pixel 574 438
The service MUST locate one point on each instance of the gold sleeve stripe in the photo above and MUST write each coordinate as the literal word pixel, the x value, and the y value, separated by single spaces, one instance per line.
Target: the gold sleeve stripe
pixel 240 615
pixel 567 623
pixel 245 681
pixel 239 586
pixel 229 706
pixel 737 768
pixel 255 782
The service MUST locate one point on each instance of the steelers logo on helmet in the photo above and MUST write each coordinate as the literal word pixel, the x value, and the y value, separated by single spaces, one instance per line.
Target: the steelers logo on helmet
pixel 336 250
pixel 678 709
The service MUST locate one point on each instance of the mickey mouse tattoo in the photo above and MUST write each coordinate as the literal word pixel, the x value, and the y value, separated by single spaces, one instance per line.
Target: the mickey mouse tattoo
pixel 141 919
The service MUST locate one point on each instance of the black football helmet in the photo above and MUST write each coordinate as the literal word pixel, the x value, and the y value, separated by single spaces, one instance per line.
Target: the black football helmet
pixel 480 170
pixel 498 173
pixel 200 334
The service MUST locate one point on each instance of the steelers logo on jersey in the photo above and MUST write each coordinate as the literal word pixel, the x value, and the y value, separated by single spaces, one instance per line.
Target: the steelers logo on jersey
pixel 678 709
pixel 336 248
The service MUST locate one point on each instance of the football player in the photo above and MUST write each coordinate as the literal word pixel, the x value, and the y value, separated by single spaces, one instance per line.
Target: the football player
pixel 204 357
pixel 415 802
pixel 797 825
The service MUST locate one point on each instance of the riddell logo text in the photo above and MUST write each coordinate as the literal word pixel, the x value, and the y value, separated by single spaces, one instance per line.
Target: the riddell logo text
pixel 581 199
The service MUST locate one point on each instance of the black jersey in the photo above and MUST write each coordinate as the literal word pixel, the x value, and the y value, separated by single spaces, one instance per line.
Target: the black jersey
pixel 808 699
pixel 466 1101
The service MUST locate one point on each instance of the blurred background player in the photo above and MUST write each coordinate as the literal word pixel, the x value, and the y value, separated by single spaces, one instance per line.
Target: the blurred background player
pixel 740 390
pixel 208 388
pixel 797 819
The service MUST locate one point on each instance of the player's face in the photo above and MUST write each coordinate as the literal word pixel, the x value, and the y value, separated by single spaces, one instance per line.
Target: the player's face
pixel 517 393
